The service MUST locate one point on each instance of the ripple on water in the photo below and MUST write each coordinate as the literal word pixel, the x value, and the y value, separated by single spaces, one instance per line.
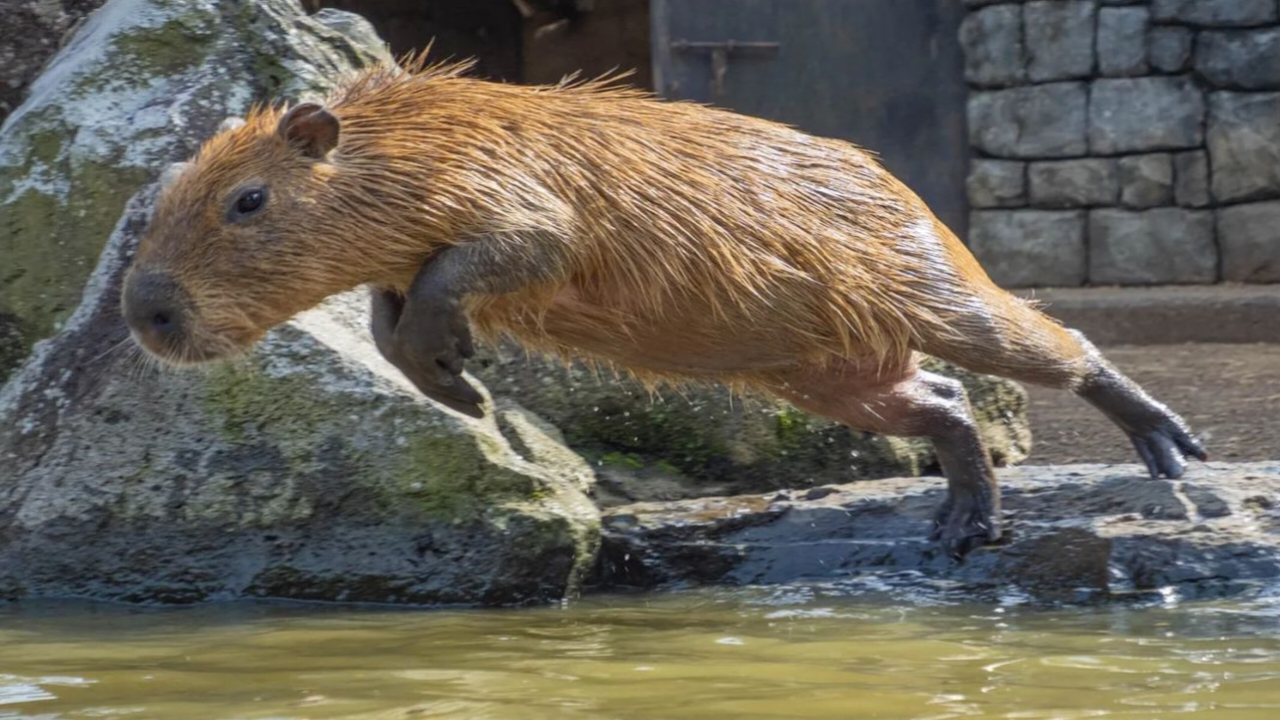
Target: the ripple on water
pixel 796 652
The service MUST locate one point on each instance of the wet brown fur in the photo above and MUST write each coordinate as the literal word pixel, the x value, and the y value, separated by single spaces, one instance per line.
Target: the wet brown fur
pixel 751 248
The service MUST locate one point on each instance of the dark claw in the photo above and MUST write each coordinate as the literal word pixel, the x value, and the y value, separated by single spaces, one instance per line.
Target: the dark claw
pixel 1164 450
pixel 458 395
pixel 452 391
pixel 958 549
pixel 1190 445
pixel 961 527
pixel 1171 460
pixel 1140 444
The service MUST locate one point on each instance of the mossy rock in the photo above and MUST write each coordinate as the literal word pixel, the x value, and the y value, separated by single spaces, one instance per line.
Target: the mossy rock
pixel 702 441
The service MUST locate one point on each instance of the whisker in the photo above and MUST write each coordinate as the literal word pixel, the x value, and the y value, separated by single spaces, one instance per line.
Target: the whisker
pixel 137 366
pixel 110 350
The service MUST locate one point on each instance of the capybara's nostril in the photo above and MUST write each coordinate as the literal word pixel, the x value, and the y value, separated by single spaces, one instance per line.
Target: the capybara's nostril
pixel 161 321
pixel 153 308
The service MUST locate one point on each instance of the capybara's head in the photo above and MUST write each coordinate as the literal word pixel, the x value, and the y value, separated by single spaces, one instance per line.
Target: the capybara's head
pixel 236 244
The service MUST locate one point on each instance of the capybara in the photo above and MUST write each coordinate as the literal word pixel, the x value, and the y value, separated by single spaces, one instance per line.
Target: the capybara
pixel 675 240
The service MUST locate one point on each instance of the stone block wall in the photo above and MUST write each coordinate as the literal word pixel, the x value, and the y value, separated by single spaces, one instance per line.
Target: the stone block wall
pixel 1124 142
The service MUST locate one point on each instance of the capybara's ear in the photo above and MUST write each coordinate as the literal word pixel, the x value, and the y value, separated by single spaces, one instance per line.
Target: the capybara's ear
pixel 310 128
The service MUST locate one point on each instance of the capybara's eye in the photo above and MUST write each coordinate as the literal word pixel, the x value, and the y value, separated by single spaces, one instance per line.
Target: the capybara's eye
pixel 250 201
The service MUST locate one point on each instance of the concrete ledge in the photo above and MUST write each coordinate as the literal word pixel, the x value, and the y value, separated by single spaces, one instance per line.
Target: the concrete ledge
pixel 1164 315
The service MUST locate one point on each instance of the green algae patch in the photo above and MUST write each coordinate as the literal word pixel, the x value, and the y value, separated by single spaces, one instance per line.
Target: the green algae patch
pixel 630 461
pixel 451 478
pixel 625 436
pixel 438 472
pixel 51 243
pixel 168 49
pixel 245 403
pixel 13 345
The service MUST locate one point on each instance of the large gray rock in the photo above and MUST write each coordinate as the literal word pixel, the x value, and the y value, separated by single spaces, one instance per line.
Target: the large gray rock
pixel 1076 533
pixel 1191 179
pixel 1250 239
pixel 1146 181
pixel 1169 48
pixel 702 441
pixel 1164 246
pixel 992 41
pixel 1030 248
pixel 1220 13
pixel 139 85
pixel 310 470
pixel 1122 40
pixel 1240 59
pixel 1145 114
pixel 1244 145
pixel 1043 121
pixel 1059 39
pixel 33 31
pixel 1073 183
pixel 997 183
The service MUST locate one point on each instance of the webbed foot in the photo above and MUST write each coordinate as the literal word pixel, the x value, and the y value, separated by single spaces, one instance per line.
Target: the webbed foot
pixel 1163 440
pixel 961 526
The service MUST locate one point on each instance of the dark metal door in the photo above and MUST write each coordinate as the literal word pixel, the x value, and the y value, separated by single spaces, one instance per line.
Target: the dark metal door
pixel 885 74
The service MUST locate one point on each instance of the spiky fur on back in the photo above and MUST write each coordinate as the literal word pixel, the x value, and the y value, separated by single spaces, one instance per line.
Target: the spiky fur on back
pixel 678 223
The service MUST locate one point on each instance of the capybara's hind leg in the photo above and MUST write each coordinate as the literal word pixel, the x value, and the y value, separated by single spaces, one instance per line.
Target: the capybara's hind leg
pixel 1016 341
pixel 913 403
pixel 1161 437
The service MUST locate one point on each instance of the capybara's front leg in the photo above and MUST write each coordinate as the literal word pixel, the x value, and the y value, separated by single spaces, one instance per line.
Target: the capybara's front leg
pixel 425 332
pixel 912 403
pixel 440 384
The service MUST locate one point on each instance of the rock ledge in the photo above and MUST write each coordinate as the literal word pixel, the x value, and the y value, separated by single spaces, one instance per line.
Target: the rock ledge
pixel 1075 533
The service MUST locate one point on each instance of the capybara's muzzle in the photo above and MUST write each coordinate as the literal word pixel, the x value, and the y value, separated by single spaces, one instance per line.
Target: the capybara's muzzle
pixel 154 306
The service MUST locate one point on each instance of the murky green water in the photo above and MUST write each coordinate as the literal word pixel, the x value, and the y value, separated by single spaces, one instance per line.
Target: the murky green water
pixel 763 654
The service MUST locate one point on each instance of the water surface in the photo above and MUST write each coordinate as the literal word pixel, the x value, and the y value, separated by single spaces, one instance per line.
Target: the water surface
pixel 782 653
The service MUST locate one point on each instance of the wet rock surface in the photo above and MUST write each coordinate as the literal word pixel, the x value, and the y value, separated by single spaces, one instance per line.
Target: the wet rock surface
pixel 1074 533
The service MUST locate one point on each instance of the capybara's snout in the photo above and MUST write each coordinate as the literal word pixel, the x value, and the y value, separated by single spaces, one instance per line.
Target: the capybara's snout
pixel 156 311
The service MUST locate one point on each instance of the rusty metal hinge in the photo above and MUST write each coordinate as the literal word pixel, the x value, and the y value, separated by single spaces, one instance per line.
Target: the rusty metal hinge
pixel 720 52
